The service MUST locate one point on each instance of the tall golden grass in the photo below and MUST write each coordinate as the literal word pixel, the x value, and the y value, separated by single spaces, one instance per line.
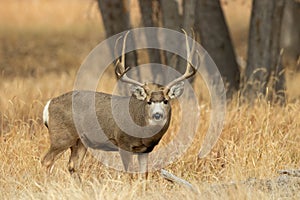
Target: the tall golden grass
pixel 39 59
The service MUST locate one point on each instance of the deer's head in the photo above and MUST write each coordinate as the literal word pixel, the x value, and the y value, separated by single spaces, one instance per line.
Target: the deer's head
pixel 157 98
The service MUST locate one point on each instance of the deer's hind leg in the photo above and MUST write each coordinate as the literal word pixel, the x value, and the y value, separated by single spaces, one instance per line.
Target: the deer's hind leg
pixel 78 152
pixel 52 155
pixel 59 144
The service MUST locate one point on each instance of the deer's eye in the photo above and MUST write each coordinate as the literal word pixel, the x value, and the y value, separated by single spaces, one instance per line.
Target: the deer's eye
pixel 166 101
pixel 149 102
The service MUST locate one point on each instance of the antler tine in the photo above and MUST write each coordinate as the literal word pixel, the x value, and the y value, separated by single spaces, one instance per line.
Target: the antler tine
pixel 190 55
pixel 121 69
pixel 117 64
pixel 190 70
pixel 198 60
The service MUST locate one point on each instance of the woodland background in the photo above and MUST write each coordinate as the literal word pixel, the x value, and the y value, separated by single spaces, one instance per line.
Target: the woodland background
pixel 43 43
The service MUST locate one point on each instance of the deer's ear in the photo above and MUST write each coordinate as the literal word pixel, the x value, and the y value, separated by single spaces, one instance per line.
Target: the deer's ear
pixel 176 90
pixel 138 92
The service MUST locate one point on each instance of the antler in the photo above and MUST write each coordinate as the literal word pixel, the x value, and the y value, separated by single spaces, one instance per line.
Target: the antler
pixel 190 70
pixel 121 69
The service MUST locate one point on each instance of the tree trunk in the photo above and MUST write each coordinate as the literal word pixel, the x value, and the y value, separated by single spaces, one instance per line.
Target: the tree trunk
pixel 116 18
pixel 171 19
pixel 147 13
pixel 214 36
pixel 264 58
pixel 188 19
pixel 188 15
pixel 149 20
pixel 290 39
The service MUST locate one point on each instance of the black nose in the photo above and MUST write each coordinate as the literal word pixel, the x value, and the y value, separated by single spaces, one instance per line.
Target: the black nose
pixel 157 116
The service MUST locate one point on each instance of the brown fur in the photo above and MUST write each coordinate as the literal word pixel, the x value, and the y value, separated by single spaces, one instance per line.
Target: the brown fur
pixel 63 133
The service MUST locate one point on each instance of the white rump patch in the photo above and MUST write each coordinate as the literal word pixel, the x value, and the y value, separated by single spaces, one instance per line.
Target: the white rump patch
pixel 46 113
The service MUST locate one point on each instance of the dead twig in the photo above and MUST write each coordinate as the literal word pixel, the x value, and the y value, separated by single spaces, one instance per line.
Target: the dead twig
pixel 171 177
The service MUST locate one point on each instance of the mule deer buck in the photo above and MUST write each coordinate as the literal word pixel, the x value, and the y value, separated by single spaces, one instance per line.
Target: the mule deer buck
pixel 149 105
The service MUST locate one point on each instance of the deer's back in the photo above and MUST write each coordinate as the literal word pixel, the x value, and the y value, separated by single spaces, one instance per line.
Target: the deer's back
pixel 96 123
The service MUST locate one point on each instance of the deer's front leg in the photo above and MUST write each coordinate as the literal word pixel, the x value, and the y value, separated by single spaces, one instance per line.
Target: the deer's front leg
pixel 143 163
pixel 126 157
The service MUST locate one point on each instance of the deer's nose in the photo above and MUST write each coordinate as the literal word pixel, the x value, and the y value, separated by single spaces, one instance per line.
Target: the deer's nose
pixel 157 116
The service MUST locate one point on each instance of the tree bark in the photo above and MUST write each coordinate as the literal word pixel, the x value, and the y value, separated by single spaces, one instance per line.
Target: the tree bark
pixel 149 20
pixel 147 13
pixel 188 19
pixel 264 58
pixel 171 19
pixel 290 39
pixel 188 15
pixel 116 18
pixel 214 36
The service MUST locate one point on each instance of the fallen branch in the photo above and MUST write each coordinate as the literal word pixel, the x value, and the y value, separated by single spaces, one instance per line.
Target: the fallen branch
pixel 171 177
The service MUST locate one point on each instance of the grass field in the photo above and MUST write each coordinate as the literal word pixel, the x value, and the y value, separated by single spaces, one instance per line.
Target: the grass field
pixel 41 48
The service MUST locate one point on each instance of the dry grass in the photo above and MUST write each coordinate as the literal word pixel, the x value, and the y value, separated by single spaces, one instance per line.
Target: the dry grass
pixel 39 59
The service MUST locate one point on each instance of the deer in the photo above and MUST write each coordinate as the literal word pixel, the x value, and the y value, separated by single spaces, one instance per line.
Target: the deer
pixel 149 105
